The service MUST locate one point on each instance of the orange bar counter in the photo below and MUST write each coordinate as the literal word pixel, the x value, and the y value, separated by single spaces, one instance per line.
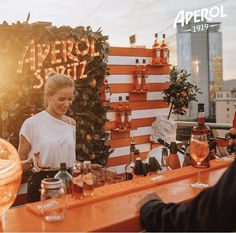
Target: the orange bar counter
pixel 113 206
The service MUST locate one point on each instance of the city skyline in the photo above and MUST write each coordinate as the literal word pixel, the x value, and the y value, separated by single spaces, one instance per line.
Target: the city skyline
pixel 121 19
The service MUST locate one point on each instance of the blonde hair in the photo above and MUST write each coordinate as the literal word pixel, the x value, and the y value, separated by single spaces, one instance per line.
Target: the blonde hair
pixel 56 82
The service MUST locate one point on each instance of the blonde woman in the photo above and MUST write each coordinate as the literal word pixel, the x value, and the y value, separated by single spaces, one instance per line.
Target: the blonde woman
pixel 48 138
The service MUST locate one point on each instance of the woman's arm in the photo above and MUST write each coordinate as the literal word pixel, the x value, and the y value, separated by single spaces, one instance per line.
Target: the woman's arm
pixel 23 150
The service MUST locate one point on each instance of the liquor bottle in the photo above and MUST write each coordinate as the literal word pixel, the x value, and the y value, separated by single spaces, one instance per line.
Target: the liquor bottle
pixel 129 167
pixel 164 157
pixel 121 114
pixel 139 167
pixel 77 180
pixel 201 129
pixel 65 176
pixel 231 135
pixel 156 51
pixel 88 185
pixel 164 51
pixel 173 159
pixel 144 74
pixel 106 93
pixel 128 117
pixel 137 78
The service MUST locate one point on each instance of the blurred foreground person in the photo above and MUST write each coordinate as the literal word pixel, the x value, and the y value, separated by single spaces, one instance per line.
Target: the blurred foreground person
pixel 214 209
pixel 48 138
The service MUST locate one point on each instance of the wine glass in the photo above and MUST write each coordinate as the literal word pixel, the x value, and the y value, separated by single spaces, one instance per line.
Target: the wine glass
pixel 198 150
pixel 10 175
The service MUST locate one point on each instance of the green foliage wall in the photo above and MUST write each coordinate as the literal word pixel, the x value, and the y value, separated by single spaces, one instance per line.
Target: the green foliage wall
pixel 19 99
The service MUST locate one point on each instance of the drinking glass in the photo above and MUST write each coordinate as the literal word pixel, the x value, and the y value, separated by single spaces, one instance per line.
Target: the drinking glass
pixel 10 175
pixel 198 150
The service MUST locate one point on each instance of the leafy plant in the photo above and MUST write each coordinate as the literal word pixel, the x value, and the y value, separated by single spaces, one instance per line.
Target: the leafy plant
pixel 19 100
pixel 180 92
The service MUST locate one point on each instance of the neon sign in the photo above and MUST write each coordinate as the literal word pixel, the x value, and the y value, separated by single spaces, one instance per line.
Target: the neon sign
pixel 66 57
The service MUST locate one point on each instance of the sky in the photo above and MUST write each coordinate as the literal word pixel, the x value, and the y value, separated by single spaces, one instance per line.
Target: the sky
pixel 120 19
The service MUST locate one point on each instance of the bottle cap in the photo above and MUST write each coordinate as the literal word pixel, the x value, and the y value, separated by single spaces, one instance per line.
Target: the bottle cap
pixel 201 107
pixel 173 148
pixel 63 165
pixel 136 151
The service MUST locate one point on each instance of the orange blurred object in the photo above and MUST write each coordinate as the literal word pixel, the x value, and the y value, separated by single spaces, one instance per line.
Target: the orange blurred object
pixel 10 174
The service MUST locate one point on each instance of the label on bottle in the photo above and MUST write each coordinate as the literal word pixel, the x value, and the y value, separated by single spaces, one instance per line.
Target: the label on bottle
pixel 88 178
pixel 107 96
pixel 122 117
pixel 158 52
pixel 78 180
pixel 139 82
pixel 165 53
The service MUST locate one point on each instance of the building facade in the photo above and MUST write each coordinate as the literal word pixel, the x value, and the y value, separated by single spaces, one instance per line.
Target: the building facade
pixel 199 51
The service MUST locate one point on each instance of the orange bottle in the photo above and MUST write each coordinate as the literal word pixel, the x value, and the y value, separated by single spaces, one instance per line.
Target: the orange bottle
pixel 128 117
pixel 156 51
pixel 137 78
pixel 173 159
pixel 144 74
pixel 164 51
pixel 121 114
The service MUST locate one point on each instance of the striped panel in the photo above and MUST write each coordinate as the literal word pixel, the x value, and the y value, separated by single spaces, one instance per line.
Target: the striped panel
pixel 144 106
pixel 123 79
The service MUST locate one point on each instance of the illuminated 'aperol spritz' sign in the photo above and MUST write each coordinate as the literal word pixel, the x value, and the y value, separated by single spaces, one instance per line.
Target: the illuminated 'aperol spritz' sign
pixel 66 57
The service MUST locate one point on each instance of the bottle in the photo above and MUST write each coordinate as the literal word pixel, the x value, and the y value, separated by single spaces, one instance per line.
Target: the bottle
pixel 129 167
pixel 164 51
pixel 201 129
pixel 231 135
pixel 164 157
pixel 144 74
pixel 156 51
pixel 173 159
pixel 187 157
pixel 88 185
pixel 53 199
pixel 77 181
pixel 121 114
pixel 65 176
pixel 137 78
pixel 139 167
pixel 106 93
pixel 128 117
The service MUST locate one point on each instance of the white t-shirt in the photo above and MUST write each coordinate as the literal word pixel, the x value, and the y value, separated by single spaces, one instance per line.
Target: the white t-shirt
pixel 53 138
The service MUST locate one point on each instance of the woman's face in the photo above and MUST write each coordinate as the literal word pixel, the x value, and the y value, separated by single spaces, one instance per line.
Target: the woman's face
pixel 60 101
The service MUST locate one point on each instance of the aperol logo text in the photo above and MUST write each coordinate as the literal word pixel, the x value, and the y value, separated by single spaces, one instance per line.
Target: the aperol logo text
pixel 66 57
pixel 184 17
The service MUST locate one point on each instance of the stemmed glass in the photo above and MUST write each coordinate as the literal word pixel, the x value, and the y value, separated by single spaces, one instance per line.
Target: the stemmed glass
pixel 198 150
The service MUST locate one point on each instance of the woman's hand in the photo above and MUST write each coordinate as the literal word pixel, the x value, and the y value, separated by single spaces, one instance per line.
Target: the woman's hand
pixel 146 198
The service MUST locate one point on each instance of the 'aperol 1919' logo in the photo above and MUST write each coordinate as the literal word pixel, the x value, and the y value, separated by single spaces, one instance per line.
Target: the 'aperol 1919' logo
pixel 184 17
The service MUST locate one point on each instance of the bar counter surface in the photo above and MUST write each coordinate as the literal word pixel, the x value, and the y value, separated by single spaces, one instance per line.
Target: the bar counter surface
pixel 113 206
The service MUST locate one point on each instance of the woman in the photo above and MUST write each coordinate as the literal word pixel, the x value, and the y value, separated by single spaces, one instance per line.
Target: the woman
pixel 48 138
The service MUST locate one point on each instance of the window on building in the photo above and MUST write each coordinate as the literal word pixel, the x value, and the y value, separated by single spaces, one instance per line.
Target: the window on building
pixel 227 109
pixel 227 95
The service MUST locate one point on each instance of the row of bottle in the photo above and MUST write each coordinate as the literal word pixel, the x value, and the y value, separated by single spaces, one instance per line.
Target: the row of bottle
pixel 80 183
pixel 123 114
pixel 160 52
pixel 136 167
pixel 140 76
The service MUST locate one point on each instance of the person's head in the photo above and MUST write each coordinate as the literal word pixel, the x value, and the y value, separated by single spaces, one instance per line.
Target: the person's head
pixel 58 91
